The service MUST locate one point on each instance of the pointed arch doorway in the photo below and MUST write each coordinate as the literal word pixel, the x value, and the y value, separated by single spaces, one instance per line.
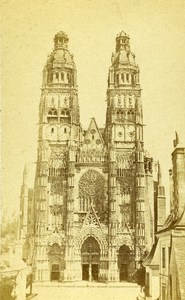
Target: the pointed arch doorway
pixel 123 262
pixel 56 262
pixel 90 255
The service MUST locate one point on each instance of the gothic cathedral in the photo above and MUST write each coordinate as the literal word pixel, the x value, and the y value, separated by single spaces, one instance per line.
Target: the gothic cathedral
pixel 94 211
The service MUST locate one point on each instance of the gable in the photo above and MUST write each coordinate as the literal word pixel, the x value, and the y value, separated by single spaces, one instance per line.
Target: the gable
pixel 93 135
pixel 92 218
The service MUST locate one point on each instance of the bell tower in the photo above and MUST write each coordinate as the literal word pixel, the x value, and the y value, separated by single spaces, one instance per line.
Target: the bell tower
pixel 124 136
pixel 58 139
pixel 124 108
pixel 59 108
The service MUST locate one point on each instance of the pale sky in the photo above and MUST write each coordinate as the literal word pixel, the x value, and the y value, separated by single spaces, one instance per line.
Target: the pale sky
pixel 157 37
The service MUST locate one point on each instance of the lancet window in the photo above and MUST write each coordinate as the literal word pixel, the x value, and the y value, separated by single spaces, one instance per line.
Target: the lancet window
pixel 57 76
pixel 133 79
pixel 120 115
pixel 130 115
pixel 65 116
pixel 122 77
pixel 127 77
pixel 52 112
pixel 52 115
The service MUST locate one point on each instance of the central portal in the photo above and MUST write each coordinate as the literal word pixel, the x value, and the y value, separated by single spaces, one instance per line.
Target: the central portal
pixel 90 259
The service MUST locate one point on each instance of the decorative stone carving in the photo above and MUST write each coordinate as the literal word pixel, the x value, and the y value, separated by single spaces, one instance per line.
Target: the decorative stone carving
pixel 56 187
pixel 125 210
pixel 95 232
pixel 92 218
pixel 56 238
pixel 91 183
pixel 57 158
pixel 78 169
pixel 92 191
pixel 91 155
pixel 57 153
pixel 87 141
pixel 56 209
pixel 124 240
pixel 81 217
pixel 124 160
pixel 125 184
pixel 55 253
pixel 105 169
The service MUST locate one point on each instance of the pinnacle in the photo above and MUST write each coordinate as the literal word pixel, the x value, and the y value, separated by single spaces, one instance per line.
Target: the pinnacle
pixel 122 33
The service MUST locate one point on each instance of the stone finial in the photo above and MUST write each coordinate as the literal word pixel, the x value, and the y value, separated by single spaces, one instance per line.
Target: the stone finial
pixel 176 141
pixel 159 174
pixel 25 173
pixel 122 34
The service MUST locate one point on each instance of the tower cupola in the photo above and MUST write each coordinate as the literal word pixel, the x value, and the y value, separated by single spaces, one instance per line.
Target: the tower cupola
pixel 122 42
pixel 123 71
pixel 61 40
pixel 60 69
pixel 59 101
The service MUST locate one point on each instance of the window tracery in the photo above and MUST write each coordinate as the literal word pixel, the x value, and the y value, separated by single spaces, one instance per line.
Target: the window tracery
pixel 91 155
pixel 57 164
pixel 92 191
pixel 58 153
pixel 120 115
pixel 90 183
pixel 65 112
pixel 56 187
pixel 124 184
pixel 55 252
pixel 56 209
pixel 130 115
pixel 124 160
pixel 52 112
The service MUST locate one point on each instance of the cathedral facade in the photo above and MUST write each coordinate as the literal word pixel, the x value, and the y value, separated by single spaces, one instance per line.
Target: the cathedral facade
pixel 93 211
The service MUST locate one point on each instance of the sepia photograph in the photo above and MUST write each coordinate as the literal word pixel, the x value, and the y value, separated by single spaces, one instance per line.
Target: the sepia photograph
pixel 92 150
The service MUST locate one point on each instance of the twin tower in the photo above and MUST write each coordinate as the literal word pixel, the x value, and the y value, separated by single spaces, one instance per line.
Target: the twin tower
pixel 94 210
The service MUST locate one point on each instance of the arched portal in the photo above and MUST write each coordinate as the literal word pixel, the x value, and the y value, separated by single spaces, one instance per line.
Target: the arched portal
pixel 55 255
pixel 90 255
pixel 123 262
